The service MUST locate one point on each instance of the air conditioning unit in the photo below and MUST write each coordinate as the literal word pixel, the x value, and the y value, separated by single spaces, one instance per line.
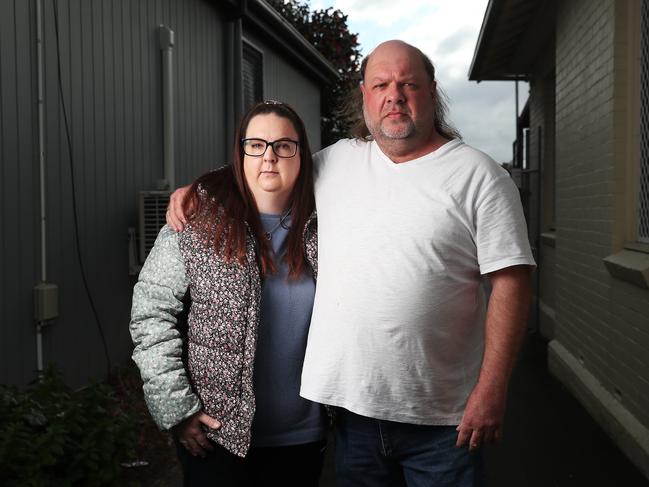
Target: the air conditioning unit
pixel 153 206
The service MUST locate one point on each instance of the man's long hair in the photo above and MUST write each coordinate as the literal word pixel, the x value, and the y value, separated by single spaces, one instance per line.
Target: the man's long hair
pixel 224 204
pixel 352 111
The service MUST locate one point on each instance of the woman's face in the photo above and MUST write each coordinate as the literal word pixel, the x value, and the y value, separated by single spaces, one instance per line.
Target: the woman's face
pixel 269 175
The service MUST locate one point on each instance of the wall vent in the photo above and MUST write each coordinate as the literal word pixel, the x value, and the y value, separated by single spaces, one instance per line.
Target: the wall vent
pixel 153 206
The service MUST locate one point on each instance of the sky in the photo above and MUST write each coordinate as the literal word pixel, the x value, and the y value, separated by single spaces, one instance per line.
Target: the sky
pixel 446 31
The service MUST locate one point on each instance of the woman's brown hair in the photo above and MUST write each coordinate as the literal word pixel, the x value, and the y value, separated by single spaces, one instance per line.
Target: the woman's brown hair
pixel 224 204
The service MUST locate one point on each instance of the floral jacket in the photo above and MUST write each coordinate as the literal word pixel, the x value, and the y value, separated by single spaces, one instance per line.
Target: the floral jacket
pixel 222 335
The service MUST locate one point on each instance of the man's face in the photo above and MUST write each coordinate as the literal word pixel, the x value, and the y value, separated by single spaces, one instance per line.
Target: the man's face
pixel 398 96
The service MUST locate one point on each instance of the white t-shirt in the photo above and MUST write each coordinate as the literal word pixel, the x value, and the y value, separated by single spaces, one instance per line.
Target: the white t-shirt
pixel 397 330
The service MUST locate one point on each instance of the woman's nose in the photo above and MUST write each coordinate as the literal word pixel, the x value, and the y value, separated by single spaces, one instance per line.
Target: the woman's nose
pixel 269 154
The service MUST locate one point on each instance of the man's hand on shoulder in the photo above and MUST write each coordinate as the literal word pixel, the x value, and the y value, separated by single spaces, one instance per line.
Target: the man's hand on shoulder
pixel 176 217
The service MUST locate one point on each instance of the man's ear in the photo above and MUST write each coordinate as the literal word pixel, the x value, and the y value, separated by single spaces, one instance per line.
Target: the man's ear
pixel 361 85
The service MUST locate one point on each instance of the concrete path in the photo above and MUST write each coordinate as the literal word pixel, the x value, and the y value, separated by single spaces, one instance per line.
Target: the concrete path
pixel 550 440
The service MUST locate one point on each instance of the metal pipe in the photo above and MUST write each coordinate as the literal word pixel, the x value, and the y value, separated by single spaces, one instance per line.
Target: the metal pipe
pixel 516 107
pixel 39 348
pixel 539 215
pixel 518 132
pixel 238 69
pixel 42 174
pixel 233 82
pixel 167 40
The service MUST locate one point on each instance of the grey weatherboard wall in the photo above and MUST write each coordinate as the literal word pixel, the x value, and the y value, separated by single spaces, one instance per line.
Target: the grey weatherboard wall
pixel 287 82
pixel 111 84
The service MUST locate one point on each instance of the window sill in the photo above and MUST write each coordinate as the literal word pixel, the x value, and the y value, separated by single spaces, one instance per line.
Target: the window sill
pixel 549 239
pixel 630 265
pixel 637 247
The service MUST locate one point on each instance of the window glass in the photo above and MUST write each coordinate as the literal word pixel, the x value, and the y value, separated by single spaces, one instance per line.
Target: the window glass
pixel 253 85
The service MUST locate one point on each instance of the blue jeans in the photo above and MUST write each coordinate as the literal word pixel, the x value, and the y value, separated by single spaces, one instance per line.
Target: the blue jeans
pixel 377 453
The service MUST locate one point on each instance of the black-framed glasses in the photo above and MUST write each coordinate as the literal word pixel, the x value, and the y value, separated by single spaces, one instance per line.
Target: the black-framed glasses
pixel 281 147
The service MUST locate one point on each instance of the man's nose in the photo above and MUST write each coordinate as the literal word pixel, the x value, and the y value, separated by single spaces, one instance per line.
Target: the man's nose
pixel 395 93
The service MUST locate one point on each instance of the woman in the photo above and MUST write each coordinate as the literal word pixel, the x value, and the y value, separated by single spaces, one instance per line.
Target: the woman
pixel 248 258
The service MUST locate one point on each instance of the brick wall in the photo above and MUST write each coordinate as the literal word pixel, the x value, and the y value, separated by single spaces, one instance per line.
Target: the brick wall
pixel 601 321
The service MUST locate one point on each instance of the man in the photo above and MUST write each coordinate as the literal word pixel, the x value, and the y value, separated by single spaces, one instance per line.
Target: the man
pixel 409 223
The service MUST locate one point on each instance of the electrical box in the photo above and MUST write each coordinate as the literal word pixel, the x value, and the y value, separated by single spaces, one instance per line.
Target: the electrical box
pixel 46 301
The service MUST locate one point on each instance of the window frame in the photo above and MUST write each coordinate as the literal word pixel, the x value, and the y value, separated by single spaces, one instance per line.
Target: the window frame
pixel 641 93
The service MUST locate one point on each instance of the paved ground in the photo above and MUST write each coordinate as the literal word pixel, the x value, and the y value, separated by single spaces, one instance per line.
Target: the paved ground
pixel 549 440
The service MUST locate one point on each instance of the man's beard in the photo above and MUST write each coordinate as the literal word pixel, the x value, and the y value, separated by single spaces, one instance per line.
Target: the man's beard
pixel 398 131
pixel 383 130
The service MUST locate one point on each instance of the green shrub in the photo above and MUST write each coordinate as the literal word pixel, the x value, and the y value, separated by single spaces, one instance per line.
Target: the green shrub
pixel 51 435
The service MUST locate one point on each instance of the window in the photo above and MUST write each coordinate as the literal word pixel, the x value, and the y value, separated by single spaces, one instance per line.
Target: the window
pixel 252 74
pixel 643 197
pixel 631 264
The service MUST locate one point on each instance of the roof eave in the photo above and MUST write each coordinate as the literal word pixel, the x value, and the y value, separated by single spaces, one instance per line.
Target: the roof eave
pixel 512 35
pixel 480 45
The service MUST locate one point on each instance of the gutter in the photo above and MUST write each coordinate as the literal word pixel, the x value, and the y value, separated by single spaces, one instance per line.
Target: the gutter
pixel 481 41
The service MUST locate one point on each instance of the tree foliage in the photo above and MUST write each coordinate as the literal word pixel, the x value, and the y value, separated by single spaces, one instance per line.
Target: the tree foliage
pixel 328 32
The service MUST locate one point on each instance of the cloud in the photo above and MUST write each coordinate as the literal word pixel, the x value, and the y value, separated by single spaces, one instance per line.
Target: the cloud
pixel 456 41
pixel 381 12
pixel 447 37
pixel 484 113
